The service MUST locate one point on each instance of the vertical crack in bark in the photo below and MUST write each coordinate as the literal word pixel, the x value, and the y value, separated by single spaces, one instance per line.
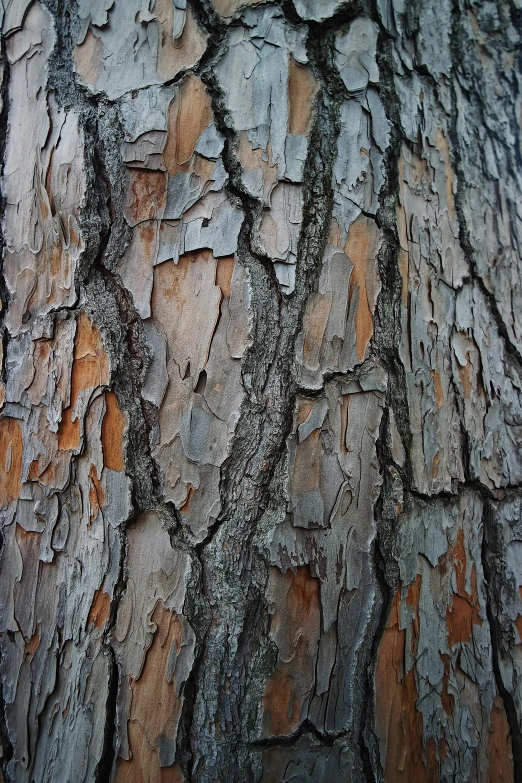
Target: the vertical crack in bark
pixel 457 46
pixel 229 564
pixel 225 602
pixel 110 305
pixel 4 119
pixel 105 765
pixel 386 342
pixel 490 533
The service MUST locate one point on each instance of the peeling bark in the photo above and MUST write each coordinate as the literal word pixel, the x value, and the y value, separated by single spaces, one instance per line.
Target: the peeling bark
pixel 261 391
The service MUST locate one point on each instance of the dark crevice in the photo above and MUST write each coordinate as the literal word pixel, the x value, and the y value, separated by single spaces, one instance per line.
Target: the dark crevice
pixel 103 770
pixel 490 528
pixel 386 344
pixel 265 421
pixel 489 534
pixel 4 120
pixel 328 739
pixel 457 46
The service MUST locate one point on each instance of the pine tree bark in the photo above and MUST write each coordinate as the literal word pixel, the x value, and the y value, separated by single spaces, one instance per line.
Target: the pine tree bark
pixel 260 437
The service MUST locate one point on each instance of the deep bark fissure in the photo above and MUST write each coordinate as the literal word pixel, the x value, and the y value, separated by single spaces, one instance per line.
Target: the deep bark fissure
pixel 247 468
pixel 227 601
pixel 488 534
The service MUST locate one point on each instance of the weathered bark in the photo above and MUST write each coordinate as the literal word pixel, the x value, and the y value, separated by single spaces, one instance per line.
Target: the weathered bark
pixel 260 440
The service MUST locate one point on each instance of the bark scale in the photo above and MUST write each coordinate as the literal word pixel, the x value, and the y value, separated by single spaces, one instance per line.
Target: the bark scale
pixel 260 438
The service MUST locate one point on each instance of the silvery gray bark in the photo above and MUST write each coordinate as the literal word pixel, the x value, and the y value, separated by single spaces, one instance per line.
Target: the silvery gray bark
pixel 260 435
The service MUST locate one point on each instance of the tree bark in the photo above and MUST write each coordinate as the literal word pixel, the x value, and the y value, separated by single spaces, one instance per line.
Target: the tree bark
pixel 260 439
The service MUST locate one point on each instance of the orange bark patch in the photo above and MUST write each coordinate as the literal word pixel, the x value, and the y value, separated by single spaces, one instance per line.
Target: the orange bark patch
pixel 90 369
pixel 11 450
pixel 113 427
pixel 155 708
pixel 295 627
pixel 100 609
pixel 361 247
pixel 301 90
pixel 185 506
pixel 186 303
pixel 463 614
pixel 88 57
pixel 189 114
pixel 335 234
pixel 147 194
pixel 465 379
pixel 314 326
pixel 398 722
pixel 435 465
pixel 34 642
pixel 68 431
pixel 280 703
pixel 500 753
pixel 224 272
pixel 96 498
pixel 183 52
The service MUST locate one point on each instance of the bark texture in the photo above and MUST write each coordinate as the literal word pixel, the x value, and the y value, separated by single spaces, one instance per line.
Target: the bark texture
pixel 260 439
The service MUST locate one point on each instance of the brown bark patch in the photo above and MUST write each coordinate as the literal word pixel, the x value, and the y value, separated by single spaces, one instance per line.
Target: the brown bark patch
pixel 147 194
pixel 280 705
pixel 96 499
pixel 186 302
pixel 500 753
pixel 90 369
pixel 314 327
pixel 463 613
pixel 11 450
pixel 113 427
pixel 155 708
pixel 302 88
pixel 224 272
pixel 465 379
pixel 190 112
pixel 251 158
pixel 295 628
pixel 183 52
pixel 361 248
pixel 88 57
pixel 68 431
pixel 34 642
pixel 100 609
pixel 398 722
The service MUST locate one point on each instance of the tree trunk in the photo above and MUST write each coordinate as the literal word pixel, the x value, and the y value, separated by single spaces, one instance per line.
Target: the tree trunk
pixel 260 443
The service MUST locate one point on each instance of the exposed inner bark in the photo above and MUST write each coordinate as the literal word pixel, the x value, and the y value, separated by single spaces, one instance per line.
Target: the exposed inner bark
pixel 261 391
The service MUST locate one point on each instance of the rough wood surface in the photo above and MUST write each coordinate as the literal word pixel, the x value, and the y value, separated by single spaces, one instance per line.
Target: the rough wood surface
pixel 261 391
